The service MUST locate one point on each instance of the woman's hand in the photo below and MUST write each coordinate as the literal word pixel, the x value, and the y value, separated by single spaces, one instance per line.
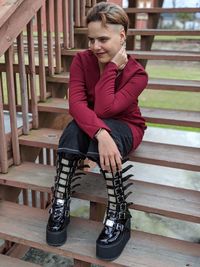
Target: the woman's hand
pixel 120 59
pixel 110 158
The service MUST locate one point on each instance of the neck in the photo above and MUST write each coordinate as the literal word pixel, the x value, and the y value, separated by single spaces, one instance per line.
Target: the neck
pixel 101 67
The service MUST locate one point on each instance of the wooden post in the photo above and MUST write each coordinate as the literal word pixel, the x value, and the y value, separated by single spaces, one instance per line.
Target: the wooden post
pixel 57 37
pixel 71 23
pixel 23 83
pixel 31 56
pixel 65 16
pixel 42 74
pixel 3 146
pixel 12 105
pixel 49 37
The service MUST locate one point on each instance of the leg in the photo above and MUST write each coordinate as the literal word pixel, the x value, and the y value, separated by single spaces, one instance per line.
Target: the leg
pixel 117 222
pixel 67 163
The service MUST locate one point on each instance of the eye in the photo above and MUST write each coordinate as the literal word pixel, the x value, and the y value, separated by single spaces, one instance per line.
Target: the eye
pixel 91 41
pixel 103 39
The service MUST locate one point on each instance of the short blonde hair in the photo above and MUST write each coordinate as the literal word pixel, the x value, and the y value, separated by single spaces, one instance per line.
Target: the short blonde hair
pixel 108 13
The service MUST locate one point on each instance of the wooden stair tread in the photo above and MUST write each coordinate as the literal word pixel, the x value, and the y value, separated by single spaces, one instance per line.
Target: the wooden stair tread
pixel 142 249
pixel 162 10
pixel 156 55
pixel 173 117
pixel 6 261
pixel 154 115
pixel 174 84
pixel 149 197
pixel 153 83
pixel 148 152
pixel 149 32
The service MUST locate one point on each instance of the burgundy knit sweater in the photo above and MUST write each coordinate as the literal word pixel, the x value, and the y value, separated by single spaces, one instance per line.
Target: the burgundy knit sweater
pixel 113 94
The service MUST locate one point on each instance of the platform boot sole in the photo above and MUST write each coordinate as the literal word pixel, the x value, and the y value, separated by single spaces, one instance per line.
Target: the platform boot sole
pixel 56 238
pixel 111 251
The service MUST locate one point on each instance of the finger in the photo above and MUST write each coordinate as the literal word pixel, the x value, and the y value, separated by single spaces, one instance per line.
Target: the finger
pixel 102 163
pixel 107 164
pixel 118 162
pixel 113 164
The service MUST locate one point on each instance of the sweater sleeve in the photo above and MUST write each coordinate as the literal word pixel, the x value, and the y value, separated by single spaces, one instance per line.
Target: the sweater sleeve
pixel 109 102
pixel 78 104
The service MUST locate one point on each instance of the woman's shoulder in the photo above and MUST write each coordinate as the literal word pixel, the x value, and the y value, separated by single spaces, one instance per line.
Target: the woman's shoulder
pixel 85 54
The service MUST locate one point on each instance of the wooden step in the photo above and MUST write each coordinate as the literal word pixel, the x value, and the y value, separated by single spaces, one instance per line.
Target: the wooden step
pixel 6 261
pixel 172 117
pixel 142 249
pixel 174 84
pixel 153 115
pixel 148 152
pixel 152 55
pixel 150 32
pixel 132 10
pixel 153 83
pixel 148 197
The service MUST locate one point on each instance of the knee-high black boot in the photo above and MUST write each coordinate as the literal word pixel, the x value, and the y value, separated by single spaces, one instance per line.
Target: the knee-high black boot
pixel 117 221
pixel 56 230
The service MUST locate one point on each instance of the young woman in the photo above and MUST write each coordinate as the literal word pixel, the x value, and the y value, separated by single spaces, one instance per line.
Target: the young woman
pixel 107 124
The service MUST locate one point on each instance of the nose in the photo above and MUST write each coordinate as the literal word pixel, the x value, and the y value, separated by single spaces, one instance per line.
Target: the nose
pixel 96 45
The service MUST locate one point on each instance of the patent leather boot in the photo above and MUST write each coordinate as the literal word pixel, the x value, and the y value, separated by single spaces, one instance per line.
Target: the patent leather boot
pixel 117 221
pixel 56 230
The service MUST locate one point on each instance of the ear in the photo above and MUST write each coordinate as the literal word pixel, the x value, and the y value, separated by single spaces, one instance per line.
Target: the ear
pixel 122 36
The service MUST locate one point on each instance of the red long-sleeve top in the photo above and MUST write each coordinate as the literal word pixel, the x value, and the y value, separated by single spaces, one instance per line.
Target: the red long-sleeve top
pixel 113 94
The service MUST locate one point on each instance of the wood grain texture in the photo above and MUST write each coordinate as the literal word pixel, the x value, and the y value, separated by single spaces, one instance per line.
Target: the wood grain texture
pixel 142 249
pixel 187 158
pixel 160 199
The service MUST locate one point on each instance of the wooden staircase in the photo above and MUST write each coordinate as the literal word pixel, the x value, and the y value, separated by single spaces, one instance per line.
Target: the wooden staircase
pixel 157 163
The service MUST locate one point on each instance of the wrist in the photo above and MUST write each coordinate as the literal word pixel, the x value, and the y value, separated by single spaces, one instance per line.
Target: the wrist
pixel 99 133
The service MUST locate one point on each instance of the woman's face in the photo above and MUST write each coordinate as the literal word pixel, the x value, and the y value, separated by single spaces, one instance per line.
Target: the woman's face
pixel 105 42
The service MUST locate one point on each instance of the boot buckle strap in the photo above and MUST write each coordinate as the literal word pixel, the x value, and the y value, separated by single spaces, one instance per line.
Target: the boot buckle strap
pixel 120 199
pixel 119 191
pixel 123 206
pixel 119 226
pixel 109 223
pixel 122 215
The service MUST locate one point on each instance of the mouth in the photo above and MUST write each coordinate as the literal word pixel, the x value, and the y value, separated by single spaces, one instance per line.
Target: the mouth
pixel 101 54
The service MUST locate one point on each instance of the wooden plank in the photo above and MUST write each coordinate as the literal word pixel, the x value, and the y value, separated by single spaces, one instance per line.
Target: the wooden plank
pixel 153 83
pixel 57 37
pixel 26 11
pixel 148 152
pixel 7 8
pixel 65 18
pixel 153 115
pixel 12 104
pixel 13 262
pixel 23 83
pixel 167 155
pixel 153 55
pixel 172 117
pixel 162 10
pixel 49 37
pixel 32 75
pixel 174 84
pixel 142 249
pixel 149 32
pixel 42 76
pixel 166 200
pixel 3 147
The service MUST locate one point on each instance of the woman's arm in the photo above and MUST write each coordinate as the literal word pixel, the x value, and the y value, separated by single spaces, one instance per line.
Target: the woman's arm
pixel 109 102
pixel 78 105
